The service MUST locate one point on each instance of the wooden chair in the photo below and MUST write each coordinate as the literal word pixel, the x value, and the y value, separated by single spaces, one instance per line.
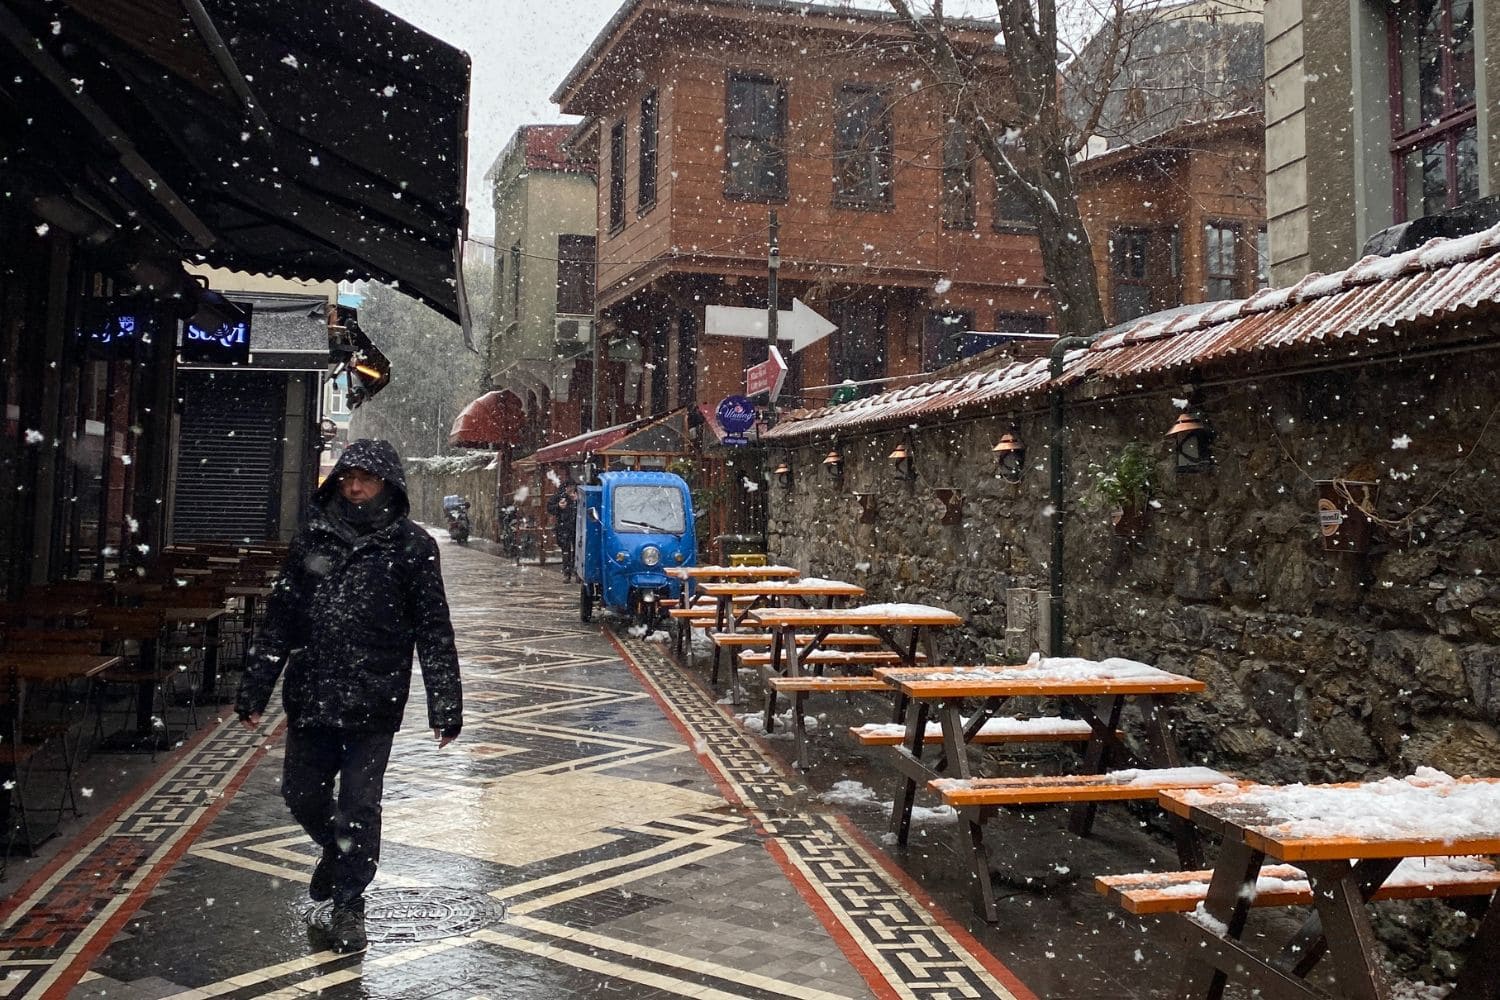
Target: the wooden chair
pixel 137 635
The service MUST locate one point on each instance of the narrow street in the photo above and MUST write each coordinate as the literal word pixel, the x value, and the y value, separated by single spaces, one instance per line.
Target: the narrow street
pixel 600 829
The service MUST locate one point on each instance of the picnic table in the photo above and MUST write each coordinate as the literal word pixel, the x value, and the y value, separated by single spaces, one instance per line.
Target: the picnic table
pixel 883 620
pixel 692 576
pixel 1349 839
pixel 942 692
pixel 758 594
pixel 782 669
pixel 772 592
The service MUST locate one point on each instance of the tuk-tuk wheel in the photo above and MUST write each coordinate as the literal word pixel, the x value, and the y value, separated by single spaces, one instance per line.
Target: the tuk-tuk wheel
pixel 585 604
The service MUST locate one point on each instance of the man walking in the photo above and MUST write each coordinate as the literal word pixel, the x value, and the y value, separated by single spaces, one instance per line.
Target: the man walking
pixel 563 506
pixel 360 589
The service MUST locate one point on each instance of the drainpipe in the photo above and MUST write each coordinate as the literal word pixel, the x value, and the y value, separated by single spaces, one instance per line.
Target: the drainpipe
pixel 1057 464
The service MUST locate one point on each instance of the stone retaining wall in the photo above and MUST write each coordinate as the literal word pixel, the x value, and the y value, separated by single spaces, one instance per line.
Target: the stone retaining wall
pixel 426 487
pixel 1320 665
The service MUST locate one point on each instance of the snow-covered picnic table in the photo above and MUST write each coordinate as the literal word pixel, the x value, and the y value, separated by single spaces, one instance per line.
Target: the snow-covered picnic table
pixel 1348 839
pixel 942 691
pixel 776 593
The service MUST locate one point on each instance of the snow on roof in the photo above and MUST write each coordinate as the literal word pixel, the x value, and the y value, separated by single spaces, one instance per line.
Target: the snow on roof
pixel 1444 278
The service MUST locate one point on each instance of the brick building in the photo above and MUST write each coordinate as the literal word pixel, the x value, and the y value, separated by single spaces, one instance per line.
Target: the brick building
pixel 706 116
pixel 1179 218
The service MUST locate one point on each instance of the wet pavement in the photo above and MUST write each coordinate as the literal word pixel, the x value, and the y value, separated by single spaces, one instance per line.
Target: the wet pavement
pixel 603 828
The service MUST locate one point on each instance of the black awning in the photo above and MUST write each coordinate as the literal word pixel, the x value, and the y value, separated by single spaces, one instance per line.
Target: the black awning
pixel 320 139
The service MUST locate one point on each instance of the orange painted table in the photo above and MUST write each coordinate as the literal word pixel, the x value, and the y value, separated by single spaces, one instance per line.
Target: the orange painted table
pixel 774 593
pixel 942 691
pixel 1348 838
pixel 882 620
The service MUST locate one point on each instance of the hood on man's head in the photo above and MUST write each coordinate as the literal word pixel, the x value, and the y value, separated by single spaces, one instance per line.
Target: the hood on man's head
pixel 375 456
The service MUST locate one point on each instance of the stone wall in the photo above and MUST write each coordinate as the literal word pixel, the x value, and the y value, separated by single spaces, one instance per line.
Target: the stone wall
pixel 429 480
pixel 1320 665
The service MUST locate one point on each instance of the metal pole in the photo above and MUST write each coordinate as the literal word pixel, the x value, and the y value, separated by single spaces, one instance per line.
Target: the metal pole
pixel 1057 463
pixel 773 265
pixel 773 295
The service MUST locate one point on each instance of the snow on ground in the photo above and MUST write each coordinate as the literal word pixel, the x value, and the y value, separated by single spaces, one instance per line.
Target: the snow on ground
pixel 639 632
pixel 755 722
pixel 853 793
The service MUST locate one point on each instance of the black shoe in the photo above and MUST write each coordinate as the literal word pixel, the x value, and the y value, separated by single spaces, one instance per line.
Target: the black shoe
pixel 320 889
pixel 348 930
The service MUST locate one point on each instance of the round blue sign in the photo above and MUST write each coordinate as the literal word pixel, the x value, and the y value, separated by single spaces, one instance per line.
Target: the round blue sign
pixel 736 414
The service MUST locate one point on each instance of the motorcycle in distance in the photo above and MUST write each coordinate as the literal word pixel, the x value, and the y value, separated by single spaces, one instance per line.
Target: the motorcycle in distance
pixel 457 509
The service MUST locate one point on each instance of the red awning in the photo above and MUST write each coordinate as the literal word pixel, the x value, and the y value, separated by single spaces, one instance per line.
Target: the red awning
pixel 575 448
pixel 495 419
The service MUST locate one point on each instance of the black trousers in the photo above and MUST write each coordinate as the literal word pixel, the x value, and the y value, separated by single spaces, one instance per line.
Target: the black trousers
pixel 346 827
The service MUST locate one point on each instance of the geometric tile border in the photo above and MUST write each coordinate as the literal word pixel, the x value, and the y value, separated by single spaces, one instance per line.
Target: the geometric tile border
pixel 900 940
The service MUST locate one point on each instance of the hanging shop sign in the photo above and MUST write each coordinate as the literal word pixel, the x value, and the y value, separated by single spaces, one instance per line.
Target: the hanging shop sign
pixel 736 416
pixel 218 334
pixel 117 329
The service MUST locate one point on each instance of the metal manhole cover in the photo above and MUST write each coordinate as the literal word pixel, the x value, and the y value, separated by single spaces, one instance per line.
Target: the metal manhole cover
pixel 421 914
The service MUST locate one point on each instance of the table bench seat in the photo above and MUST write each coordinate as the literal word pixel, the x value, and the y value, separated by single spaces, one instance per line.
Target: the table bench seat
pixel 1287 885
pixel 1039 730
pixel 748 639
pixel 807 685
pixel 1115 786
pixel 835 658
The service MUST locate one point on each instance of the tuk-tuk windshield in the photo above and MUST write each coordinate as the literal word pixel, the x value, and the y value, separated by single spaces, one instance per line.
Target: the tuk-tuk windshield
pixel 649 509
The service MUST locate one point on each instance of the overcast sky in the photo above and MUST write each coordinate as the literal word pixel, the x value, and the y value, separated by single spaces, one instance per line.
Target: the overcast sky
pixel 521 50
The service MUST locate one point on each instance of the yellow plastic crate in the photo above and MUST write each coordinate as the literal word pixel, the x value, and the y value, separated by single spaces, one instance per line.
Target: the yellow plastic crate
pixel 748 559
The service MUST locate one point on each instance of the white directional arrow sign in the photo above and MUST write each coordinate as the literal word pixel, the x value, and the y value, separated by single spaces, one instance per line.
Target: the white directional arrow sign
pixel 801 325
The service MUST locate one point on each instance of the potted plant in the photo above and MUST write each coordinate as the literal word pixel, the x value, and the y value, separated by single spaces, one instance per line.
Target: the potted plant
pixel 1126 483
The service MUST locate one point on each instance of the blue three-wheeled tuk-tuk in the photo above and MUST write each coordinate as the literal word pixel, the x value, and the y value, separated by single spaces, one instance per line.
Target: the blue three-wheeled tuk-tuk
pixel 632 528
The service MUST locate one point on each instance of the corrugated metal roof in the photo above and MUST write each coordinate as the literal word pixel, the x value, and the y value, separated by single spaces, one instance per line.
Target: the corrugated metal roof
pixel 925 401
pixel 1442 279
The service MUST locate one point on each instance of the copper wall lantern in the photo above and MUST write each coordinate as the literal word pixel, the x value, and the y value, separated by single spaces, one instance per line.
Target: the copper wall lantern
pixel 834 464
pixel 1010 453
pixel 901 462
pixel 783 474
pixel 1192 443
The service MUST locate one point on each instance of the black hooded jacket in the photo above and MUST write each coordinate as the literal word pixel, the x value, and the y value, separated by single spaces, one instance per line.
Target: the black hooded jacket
pixel 349 609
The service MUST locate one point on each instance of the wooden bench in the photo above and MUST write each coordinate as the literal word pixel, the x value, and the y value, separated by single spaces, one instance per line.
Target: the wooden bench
pixel 748 639
pixel 1287 885
pixel 736 641
pixel 1114 786
pixel 996 731
pixel 823 658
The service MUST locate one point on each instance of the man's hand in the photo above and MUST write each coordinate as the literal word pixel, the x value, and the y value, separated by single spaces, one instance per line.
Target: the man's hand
pixel 251 721
pixel 442 740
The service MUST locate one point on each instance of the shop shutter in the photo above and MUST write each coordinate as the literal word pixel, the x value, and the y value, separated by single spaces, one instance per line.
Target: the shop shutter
pixel 229 456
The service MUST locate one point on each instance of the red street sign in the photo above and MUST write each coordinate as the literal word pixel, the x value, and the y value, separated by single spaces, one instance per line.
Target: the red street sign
pixel 768 376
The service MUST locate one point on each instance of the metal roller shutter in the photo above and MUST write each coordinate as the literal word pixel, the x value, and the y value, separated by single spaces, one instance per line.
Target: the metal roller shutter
pixel 229 456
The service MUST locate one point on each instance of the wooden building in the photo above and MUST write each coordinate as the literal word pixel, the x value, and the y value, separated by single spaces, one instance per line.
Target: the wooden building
pixel 1178 219
pixel 705 116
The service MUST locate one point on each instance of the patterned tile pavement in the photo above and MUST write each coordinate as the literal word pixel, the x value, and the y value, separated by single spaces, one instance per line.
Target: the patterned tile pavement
pixel 604 828
pixel 639 844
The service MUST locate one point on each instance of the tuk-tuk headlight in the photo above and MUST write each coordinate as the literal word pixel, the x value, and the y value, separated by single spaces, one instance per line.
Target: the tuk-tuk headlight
pixel 651 555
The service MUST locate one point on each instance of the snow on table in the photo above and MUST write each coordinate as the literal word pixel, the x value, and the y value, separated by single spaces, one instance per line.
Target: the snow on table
pixel 1053 668
pixel 1430 805
pixel 898 610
